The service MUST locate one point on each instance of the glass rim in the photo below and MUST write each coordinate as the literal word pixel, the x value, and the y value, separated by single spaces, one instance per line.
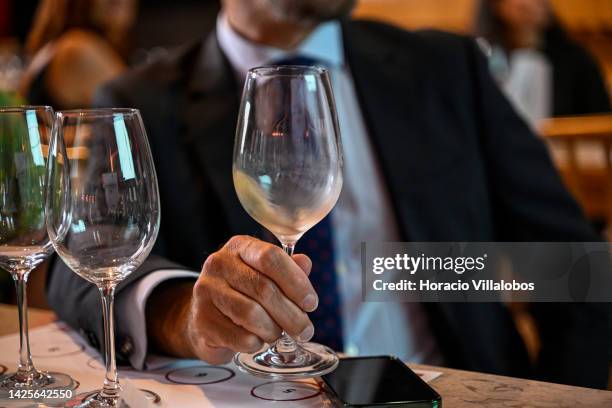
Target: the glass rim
pixel 97 112
pixel 286 70
pixel 25 108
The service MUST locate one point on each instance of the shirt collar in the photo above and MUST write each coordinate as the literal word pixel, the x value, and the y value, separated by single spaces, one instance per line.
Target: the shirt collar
pixel 323 44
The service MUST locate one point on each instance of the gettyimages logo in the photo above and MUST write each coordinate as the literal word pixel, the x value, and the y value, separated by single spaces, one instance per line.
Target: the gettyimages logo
pixel 487 271
pixel 414 264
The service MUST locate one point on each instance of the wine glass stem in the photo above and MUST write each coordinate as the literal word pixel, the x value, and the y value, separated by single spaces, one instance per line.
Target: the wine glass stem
pixel 285 345
pixel 26 367
pixel 111 388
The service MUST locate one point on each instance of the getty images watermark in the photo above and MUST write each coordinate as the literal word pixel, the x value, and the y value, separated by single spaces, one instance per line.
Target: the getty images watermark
pixel 487 271
pixel 456 264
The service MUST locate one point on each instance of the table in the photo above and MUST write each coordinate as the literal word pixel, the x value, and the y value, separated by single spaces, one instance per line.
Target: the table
pixel 9 322
pixel 459 389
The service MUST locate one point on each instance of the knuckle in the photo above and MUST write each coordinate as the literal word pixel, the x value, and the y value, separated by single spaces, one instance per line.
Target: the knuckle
pixel 212 263
pixel 271 257
pixel 199 287
pixel 236 242
pixel 204 290
pixel 251 343
pixel 266 289
pixel 252 312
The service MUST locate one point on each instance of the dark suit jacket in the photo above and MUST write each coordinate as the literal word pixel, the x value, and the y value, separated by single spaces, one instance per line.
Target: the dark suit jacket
pixel 460 166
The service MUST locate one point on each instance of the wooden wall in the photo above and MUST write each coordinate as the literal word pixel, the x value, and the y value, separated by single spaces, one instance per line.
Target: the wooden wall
pixel 589 21
pixel 458 15
pixel 453 15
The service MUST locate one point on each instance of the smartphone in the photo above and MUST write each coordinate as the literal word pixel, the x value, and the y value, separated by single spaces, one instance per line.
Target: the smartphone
pixel 381 382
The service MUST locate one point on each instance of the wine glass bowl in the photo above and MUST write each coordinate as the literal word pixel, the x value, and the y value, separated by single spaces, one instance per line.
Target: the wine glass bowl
pixel 287 166
pixel 24 132
pixel 111 217
pixel 102 208
pixel 287 172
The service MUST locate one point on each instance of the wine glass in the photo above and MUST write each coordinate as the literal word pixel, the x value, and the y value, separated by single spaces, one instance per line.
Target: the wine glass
pixel 102 209
pixel 287 173
pixel 24 243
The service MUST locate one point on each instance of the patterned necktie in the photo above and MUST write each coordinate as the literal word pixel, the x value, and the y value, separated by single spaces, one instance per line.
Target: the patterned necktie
pixel 318 245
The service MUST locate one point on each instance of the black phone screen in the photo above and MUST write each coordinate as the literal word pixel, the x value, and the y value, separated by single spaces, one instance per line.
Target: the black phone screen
pixel 377 381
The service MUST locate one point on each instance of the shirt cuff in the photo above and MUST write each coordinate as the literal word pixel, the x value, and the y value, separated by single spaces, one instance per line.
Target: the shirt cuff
pixel 131 306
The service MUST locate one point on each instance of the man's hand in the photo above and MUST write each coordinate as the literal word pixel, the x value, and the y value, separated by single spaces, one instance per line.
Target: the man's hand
pixel 247 293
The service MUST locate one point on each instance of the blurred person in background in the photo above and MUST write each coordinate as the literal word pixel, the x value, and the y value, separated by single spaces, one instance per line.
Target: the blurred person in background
pixel 430 146
pixel 76 45
pixel 542 70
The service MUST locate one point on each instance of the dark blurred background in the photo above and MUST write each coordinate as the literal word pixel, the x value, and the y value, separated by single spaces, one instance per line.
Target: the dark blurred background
pixel 158 23
pixel 161 24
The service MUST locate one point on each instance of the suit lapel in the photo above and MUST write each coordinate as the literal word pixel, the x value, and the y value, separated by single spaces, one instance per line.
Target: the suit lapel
pixel 209 121
pixel 389 115
pixel 388 92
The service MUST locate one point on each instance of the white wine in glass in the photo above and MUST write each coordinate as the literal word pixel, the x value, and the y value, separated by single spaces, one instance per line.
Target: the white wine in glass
pixel 102 210
pixel 288 175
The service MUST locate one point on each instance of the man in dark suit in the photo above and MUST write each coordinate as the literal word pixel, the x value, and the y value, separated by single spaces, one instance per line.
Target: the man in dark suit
pixel 433 153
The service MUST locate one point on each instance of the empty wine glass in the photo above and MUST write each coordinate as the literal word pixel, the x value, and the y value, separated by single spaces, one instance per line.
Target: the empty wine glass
pixel 102 209
pixel 288 175
pixel 24 243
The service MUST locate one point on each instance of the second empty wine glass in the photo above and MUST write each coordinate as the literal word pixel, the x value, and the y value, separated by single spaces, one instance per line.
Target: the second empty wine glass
pixel 102 209
pixel 288 176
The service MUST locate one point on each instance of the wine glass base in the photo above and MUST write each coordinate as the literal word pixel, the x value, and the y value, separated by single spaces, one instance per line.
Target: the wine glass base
pixel 93 399
pixel 41 380
pixel 307 361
